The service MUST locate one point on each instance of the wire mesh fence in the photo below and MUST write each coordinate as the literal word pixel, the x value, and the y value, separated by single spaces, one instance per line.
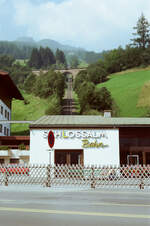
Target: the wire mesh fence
pixel 76 175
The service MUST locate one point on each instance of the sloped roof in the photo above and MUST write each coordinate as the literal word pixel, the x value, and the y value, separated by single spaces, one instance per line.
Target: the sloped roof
pixel 7 84
pixel 81 121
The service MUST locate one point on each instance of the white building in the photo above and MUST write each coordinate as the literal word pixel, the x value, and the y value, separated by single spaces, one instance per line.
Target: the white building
pixel 78 140
pixel 90 140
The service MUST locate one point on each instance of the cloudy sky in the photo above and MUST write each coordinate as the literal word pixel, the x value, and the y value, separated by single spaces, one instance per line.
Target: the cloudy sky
pixel 91 24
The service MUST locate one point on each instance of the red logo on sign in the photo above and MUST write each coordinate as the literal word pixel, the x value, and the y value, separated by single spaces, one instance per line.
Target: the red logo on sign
pixel 51 139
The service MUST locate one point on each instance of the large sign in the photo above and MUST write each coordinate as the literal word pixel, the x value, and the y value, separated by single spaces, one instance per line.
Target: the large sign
pixel 64 134
pixel 100 146
pixel 97 137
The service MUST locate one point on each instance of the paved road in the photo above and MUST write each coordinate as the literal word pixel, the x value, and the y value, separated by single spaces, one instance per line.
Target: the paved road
pixel 20 206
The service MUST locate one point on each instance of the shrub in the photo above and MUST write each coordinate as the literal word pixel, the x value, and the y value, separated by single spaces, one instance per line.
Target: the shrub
pixel 54 107
pixel 22 146
pixel 4 148
pixel 91 112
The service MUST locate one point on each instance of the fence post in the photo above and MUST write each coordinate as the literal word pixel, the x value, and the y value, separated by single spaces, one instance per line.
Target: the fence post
pixel 141 185
pixel 6 178
pixel 92 178
pixel 48 175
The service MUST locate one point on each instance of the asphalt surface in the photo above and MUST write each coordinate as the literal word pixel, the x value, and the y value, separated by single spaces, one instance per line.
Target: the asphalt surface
pixel 24 205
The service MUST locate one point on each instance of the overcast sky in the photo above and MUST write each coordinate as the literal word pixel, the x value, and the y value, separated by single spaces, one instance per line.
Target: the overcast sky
pixel 91 24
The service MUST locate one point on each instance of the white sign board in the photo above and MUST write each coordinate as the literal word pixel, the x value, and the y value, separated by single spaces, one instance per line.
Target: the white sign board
pixel 100 146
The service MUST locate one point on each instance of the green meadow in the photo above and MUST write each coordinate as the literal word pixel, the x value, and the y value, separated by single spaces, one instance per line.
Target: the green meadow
pixel 127 89
pixel 30 109
pixel 130 90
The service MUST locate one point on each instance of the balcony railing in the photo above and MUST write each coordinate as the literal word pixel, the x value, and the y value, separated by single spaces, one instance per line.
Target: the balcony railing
pixel 15 153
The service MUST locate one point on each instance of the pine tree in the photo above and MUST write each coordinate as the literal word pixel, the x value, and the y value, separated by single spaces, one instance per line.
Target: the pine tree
pixel 60 57
pixel 142 34
pixel 49 57
pixel 35 59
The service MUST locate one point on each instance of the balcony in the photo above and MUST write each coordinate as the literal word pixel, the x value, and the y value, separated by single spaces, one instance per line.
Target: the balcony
pixel 14 153
pixel 24 153
pixel 5 153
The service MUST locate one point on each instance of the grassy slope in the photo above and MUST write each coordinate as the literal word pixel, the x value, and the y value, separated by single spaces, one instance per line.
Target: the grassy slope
pixel 21 62
pixel 32 111
pixel 125 89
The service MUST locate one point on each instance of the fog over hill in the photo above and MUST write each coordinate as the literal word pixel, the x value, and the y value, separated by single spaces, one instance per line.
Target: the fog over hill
pixel 52 44
pixel 21 49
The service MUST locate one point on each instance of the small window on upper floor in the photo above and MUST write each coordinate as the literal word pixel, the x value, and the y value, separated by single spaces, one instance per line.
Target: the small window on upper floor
pixel 2 110
pixel 1 128
pixel 5 131
pixel 5 113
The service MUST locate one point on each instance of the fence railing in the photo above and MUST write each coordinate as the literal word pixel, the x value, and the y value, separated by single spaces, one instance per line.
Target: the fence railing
pixel 76 175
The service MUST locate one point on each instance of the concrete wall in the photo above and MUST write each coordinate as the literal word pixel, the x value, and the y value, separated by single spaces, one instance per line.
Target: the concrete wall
pixel 73 139
pixel 2 117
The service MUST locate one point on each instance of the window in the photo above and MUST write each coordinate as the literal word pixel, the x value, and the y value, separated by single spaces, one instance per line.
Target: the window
pixel 8 115
pixel 14 161
pixel 2 110
pixel 1 128
pixel 5 131
pixel 5 113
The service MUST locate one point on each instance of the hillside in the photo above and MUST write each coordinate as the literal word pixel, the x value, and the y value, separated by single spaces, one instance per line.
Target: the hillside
pixel 130 90
pixel 34 109
pixel 52 44
pixel 82 54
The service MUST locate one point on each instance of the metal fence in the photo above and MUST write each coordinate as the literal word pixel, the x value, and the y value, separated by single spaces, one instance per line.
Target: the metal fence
pixel 76 175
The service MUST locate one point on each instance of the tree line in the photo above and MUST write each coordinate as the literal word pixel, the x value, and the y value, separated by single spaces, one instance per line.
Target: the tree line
pixel 137 53
pixel 51 86
pixel 46 59
pixel 92 99
pixel 14 50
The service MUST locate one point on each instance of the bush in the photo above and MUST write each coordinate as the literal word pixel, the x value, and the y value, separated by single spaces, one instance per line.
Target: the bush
pixel 26 101
pixel 22 146
pixel 49 84
pixel 96 74
pixel 29 83
pixel 54 107
pixel 102 99
pixel 4 148
pixel 91 112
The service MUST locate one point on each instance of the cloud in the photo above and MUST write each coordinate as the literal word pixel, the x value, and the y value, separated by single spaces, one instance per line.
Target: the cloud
pixel 96 24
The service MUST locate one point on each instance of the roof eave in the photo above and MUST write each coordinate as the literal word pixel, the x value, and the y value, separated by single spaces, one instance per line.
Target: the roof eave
pixel 42 126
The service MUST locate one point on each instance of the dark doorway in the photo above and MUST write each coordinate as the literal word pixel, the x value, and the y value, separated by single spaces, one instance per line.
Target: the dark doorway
pixel 133 160
pixel 2 161
pixel 14 161
pixel 70 157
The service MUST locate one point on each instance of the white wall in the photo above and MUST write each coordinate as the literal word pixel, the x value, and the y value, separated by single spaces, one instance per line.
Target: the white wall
pixel 39 149
pixel 2 117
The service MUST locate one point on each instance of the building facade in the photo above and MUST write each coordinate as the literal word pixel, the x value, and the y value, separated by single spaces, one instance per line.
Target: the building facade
pixel 75 146
pixel 5 114
pixel 91 140
pixel 8 91
pixel 14 149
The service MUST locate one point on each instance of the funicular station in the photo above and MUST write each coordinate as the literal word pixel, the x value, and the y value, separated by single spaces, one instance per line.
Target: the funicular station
pixel 92 140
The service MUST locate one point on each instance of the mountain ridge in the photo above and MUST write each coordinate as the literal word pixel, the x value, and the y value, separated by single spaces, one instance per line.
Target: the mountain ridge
pixel 52 44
